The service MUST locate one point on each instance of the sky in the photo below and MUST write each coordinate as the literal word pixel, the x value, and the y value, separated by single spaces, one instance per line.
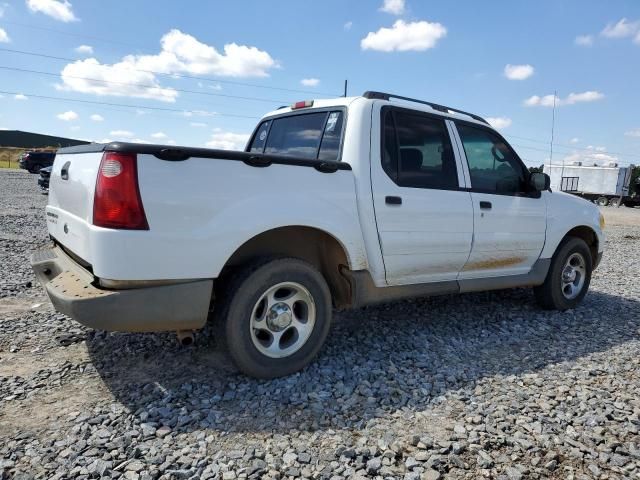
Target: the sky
pixel 201 73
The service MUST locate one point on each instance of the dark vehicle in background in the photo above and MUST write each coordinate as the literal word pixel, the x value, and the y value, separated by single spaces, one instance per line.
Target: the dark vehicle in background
pixel 34 161
pixel 43 179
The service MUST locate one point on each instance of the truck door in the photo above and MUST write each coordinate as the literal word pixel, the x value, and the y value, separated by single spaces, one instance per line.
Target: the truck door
pixel 424 217
pixel 509 220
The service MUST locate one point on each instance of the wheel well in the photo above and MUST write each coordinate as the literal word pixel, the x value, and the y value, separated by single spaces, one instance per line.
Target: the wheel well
pixel 312 245
pixel 589 236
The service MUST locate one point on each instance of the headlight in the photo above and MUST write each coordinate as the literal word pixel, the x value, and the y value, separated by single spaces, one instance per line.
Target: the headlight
pixel 601 222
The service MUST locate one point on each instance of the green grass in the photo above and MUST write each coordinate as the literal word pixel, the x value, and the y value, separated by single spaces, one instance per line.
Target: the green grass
pixel 7 164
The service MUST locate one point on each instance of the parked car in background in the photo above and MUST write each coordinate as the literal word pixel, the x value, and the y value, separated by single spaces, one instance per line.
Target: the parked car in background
pixel 334 203
pixel 43 179
pixel 35 160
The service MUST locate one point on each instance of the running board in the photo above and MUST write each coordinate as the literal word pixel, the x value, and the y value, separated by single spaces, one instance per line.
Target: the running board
pixel 365 292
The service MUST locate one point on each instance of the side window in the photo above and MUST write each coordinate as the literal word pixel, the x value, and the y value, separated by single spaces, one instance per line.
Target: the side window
pixel 389 146
pixel 493 166
pixel 417 151
pixel 257 146
pixel 330 145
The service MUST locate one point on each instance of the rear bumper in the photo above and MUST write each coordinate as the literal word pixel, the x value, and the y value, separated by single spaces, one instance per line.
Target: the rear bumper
pixel 180 306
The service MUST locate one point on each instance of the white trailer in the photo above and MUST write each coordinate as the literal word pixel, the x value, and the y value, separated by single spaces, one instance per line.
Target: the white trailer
pixel 606 185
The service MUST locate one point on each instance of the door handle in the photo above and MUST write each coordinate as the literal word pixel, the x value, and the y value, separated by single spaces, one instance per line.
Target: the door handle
pixel 391 200
pixel 485 205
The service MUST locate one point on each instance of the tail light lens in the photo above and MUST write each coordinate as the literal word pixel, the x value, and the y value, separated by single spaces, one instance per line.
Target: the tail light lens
pixel 117 202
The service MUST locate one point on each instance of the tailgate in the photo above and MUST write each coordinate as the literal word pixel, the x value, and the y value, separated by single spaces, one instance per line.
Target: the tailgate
pixel 70 207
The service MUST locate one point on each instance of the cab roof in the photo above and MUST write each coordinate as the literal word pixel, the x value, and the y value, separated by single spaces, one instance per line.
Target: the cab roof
pixel 380 96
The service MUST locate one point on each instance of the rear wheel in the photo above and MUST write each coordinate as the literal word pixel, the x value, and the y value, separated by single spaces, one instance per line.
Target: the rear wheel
pixel 568 277
pixel 602 201
pixel 615 202
pixel 273 318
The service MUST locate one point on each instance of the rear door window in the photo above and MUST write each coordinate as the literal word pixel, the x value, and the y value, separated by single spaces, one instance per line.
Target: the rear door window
pixel 417 151
pixel 315 135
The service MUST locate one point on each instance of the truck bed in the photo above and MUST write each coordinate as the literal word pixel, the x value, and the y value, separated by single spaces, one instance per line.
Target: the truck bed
pixel 200 204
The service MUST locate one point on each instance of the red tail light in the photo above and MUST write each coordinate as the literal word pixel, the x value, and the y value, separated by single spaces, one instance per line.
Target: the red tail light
pixel 117 202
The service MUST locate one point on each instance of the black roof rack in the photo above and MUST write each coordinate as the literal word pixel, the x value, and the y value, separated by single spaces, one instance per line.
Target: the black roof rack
pixel 435 106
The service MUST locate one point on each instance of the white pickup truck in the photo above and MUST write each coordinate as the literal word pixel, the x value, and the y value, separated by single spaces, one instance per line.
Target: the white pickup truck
pixel 333 204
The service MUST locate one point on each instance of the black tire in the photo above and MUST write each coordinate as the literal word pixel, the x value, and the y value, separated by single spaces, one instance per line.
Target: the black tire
pixel 614 202
pixel 602 201
pixel 550 294
pixel 235 302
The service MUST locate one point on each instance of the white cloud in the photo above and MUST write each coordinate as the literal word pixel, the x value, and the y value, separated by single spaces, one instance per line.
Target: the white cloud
pixel 96 118
pixel 571 99
pixel 348 25
pixel 90 76
pixel 394 7
pixel 4 37
pixel 623 28
pixel 197 113
pixel 310 82
pixel 159 135
pixel 182 52
pixel 588 158
pixel 84 49
pixel 140 140
pixel 68 116
pixel 74 128
pixel 135 75
pixel 499 122
pixel 171 142
pixel 584 40
pixel 402 36
pixel 590 96
pixel 635 132
pixel 518 72
pixel 198 124
pixel 58 9
pixel 2 9
pixel 228 140
pixel 574 140
pixel 20 96
pixel 121 133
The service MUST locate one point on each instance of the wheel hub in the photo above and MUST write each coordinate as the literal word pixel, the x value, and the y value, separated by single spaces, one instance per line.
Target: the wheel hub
pixel 569 274
pixel 279 317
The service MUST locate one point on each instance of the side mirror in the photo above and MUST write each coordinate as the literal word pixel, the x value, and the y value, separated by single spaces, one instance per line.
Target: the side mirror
pixel 539 181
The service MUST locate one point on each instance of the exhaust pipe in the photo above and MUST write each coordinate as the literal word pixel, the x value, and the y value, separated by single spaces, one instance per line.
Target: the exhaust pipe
pixel 185 337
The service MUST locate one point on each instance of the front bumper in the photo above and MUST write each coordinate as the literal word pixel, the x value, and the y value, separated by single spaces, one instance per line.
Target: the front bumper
pixel 71 289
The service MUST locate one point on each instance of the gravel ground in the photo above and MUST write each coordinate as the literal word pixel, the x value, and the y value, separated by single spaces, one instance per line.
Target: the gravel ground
pixel 479 385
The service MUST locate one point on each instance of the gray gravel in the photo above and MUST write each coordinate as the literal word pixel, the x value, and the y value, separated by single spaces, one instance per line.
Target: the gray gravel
pixel 480 385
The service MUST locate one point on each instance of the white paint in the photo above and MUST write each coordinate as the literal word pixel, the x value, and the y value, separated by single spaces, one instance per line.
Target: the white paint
pixel 201 210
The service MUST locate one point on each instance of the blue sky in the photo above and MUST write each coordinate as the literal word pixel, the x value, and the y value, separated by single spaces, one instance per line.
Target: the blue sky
pixel 500 59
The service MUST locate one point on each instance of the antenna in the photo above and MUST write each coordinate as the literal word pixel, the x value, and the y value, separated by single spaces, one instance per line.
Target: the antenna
pixel 553 126
pixel 345 88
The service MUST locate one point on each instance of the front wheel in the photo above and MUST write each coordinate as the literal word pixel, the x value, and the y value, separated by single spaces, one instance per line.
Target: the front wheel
pixel 568 277
pixel 273 318
pixel 602 201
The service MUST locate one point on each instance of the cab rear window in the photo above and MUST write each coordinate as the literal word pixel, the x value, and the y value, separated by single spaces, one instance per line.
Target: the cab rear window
pixel 315 135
